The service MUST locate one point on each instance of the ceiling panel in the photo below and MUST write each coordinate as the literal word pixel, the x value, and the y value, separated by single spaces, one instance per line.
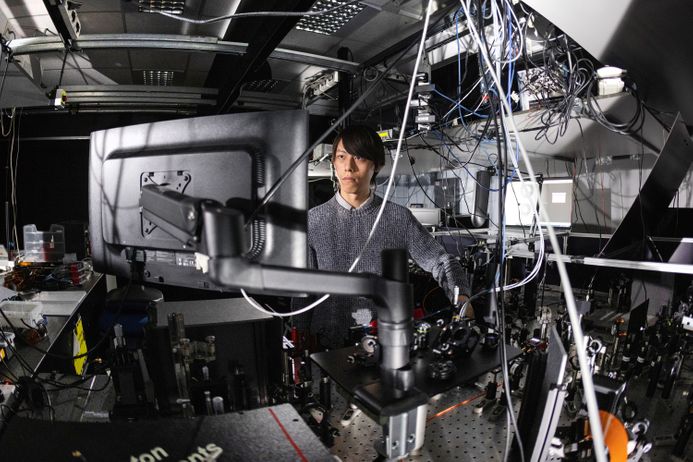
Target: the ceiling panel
pixel 101 6
pixel 216 29
pixel 101 23
pixel 195 79
pixel 22 8
pixel 309 41
pixel 215 8
pixel 200 61
pixel 371 32
pixel 32 26
pixel 109 58
pixel 120 76
pixel 285 70
pixel 20 91
pixel 75 77
pixel 73 60
pixel 151 23
pixel 368 33
pixel 159 60
pixel 385 29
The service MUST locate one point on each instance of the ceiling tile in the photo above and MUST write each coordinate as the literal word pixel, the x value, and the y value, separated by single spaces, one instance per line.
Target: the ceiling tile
pixel 216 8
pixel 72 61
pixel 149 23
pixel 32 26
pixel 164 60
pixel 100 6
pixel 309 41
pixel 101 23
pixel 195 79
pixel 75 77
pixel 120 76
pixel 24 93
pixel 109 58
pixel 22 8
pixel 286 70
pixel 201 61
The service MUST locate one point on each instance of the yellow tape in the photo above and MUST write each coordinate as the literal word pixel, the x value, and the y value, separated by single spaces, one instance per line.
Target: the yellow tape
pixel 79 347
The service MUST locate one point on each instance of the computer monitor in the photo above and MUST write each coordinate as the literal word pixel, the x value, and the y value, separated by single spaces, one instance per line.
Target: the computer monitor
pixel 426 216
pixel 556 195
pixel 232 159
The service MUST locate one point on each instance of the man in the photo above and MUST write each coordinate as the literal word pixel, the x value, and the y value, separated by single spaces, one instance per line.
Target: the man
pixel 339 228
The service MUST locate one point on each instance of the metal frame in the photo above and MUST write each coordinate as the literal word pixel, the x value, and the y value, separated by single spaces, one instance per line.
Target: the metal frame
pixel 136 95
pixel 31 45
pixel 659 267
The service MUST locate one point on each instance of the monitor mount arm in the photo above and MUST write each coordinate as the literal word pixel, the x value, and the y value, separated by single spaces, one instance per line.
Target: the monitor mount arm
pixel 217 232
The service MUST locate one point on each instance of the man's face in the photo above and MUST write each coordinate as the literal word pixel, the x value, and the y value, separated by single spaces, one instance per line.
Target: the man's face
pixel 354 172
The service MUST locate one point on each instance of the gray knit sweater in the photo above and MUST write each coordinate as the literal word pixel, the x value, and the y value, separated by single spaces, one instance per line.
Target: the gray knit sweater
pixel 336 236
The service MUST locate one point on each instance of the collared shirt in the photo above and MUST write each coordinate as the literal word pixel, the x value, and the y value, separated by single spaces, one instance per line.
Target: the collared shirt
pixel 343 202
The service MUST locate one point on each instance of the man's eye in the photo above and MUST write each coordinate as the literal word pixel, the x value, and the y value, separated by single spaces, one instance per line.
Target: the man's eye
pixel 358 157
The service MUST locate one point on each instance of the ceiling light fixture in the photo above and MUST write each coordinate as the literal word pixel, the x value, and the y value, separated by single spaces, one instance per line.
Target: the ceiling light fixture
pixel 158 78
pixel 329 23
pixel 159 6
pixel 263 86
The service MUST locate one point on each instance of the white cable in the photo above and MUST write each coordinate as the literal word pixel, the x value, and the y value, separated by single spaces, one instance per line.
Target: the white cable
pixel 2 123
pixel 389 183
pixel 537 267
pixel 401 132
pixel 257 306
pixel 588 385
pixel 257 14
pixel 508 441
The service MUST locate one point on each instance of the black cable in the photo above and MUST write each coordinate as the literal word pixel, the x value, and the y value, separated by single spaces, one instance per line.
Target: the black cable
pixel 98 344
pixel 73 385
pixel 8 372
pixel 15 353
pixel 432 148
pixel 502 150
pixel 576 189
pixel 563 70
pixel 517 202
pixel 464 197
pixel 594 111
pixel 416 177
pixel 476 146
pixel 642 214
pixel 596 208
pixel 654 112
pixel 62 70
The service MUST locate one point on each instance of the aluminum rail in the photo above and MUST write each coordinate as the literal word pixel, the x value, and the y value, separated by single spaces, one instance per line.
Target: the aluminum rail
pixel 31 45
pixel 660 267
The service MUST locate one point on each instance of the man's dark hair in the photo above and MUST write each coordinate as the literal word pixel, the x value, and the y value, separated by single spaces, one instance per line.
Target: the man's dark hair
pixel 362 141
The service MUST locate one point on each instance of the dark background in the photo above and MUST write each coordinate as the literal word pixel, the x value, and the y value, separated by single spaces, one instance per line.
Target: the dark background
pixel 52 177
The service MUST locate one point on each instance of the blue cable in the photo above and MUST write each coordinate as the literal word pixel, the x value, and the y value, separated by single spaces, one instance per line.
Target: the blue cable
pixel 459 105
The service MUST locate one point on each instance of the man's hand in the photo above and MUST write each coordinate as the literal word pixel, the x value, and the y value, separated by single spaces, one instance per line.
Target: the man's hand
pixel 469 311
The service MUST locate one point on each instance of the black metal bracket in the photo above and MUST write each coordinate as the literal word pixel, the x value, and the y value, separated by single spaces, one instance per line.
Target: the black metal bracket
pixel 219 232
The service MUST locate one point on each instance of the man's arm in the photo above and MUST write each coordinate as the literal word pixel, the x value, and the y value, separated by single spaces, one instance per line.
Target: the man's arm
pixel 432 257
